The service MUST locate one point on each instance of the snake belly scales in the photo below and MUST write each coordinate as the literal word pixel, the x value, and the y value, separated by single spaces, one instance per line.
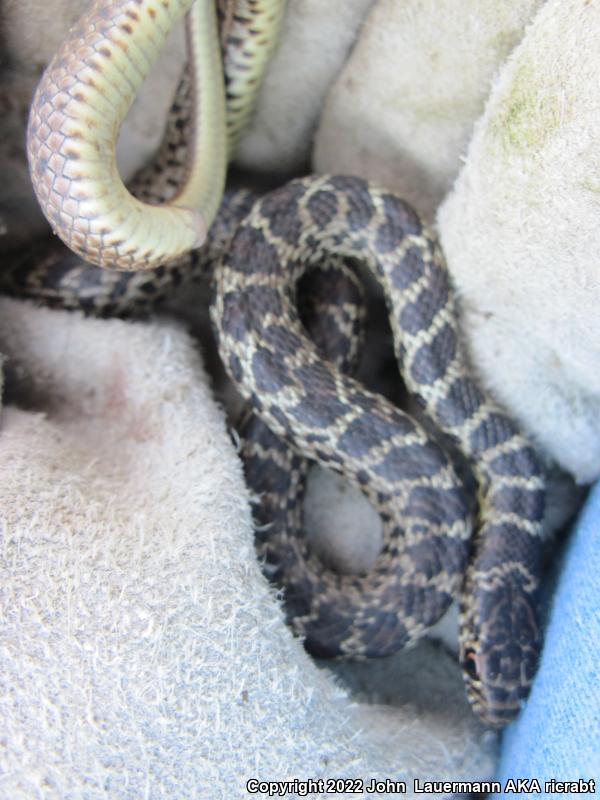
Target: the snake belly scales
pixel 302 396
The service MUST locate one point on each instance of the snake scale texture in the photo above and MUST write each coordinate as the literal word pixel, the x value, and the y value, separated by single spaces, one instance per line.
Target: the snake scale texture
pixel 305 403
pixel 327 416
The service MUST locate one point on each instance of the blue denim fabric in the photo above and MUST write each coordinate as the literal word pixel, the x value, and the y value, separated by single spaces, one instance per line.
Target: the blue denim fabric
pixel 558 732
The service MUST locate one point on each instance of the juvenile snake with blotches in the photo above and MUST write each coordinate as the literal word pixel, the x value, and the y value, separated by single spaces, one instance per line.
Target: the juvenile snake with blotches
pixel 324 414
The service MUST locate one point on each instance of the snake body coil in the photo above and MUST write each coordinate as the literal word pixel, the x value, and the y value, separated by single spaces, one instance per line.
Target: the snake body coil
pixel 327 416
pixel 298 388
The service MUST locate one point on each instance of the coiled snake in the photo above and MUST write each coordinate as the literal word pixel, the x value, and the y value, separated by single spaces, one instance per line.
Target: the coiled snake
pixel 431 554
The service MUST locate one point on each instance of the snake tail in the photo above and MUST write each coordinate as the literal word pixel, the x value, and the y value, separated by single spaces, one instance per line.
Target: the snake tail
pixel 51 274
pixel 74 121
pixel 245 57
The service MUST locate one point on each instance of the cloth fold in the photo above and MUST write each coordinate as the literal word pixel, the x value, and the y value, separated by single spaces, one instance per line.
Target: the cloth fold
pixel 142 652
pixel 402 110
pixel 520 233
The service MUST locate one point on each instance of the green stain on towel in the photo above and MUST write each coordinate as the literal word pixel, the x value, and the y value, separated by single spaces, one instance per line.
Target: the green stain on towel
pixel 529 113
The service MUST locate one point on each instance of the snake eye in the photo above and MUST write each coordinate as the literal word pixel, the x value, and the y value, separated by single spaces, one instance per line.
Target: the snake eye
pixel 470 665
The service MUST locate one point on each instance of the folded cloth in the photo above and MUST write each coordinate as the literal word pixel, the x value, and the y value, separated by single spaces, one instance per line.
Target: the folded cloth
pixel 519 227
pixel 402 110
pixel 142 652
pixel 520 232
pixel 557 736
pixel 315 40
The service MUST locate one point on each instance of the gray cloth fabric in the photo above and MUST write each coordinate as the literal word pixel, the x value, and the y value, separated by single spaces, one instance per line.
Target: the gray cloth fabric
pixel 403 107
pixel 142 653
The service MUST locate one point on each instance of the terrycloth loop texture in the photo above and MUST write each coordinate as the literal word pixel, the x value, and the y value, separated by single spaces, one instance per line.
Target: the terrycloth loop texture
pixel 148 658
pixel 521 235
pixel 141 652
pixel 557 736
pixel 402 110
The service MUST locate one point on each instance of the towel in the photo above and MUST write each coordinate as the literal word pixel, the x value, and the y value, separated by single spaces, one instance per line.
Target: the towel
pixel 402 110
pixel 520 232
pixel 142 652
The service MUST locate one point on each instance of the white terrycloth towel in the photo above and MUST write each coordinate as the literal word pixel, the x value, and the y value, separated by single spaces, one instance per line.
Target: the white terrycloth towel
pixel 402 110
pixel 142 653
pixel 522 238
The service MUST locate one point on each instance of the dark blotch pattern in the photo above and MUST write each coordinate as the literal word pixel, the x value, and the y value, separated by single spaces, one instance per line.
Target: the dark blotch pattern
pixel 508 543
pixel 270 374
pixel 280 418
pixel 527 503
pixel 408 270
pixel 360 202
pixel 315 375
pixel 322 207
pixel 431 361
pixel 418 315
pixel 363 433
pixel 448 555
pixel 398 212
pixel 248 248
pixel 272 478
pixel 319 411
pixel 460 403
pixel 436 505
pixel 260 301
pixel 400 221
pixel 280 209
pixel 494 429
pixel 522 462
pixel 386 634
pixel 411 462
pixel 235 368
pixel 281 338
pixel 234 319
pixel 360 212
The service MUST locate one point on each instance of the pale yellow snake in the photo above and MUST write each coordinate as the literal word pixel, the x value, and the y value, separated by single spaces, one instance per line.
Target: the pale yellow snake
pixel 83 98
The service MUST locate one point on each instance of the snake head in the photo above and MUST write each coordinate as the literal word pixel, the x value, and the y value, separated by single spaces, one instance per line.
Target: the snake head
pixel 500 647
